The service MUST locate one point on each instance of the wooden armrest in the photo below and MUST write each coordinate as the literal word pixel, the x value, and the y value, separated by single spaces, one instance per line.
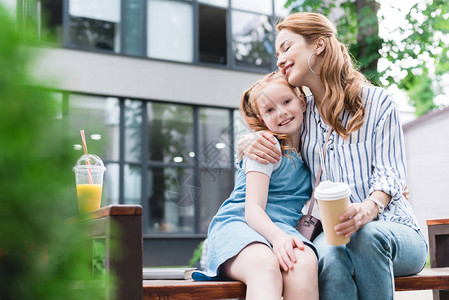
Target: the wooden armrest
pixel 110 210
pixel 437 222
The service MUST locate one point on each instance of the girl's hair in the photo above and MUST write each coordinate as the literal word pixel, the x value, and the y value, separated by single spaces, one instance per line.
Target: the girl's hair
pixel 250 109
pixel 342 82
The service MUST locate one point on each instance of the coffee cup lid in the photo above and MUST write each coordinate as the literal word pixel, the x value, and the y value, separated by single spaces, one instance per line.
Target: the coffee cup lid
pixel 328 191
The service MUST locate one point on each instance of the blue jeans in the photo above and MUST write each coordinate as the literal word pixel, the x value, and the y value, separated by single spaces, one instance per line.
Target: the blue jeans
pixel 365 267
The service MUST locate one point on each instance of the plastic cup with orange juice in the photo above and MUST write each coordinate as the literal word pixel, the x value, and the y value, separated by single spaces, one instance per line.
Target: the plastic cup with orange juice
pixel 89 171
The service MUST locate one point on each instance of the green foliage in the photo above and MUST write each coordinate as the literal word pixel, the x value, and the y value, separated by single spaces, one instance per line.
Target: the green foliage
pixel 422 54
pixel 357 28
pixel 41 257
pixel 196 258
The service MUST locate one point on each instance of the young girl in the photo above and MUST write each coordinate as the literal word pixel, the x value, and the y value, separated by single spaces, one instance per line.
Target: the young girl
pixel 252 238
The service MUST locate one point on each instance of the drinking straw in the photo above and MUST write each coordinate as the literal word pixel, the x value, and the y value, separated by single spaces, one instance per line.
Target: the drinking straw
pixel 89 172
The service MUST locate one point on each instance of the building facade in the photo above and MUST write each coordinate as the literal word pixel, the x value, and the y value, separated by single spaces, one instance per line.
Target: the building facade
pixel 156 85
pixel 427 145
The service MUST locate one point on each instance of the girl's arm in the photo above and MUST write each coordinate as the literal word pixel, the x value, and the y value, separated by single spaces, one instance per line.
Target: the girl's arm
pixel 256 217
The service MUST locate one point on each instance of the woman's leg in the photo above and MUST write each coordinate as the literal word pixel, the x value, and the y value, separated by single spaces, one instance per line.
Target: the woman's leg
pixel 379 251
pixel 259 269
pixel 336 272
pixel 302 281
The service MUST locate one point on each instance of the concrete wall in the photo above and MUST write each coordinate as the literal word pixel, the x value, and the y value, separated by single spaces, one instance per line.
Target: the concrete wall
pixel 427 150
pixel 117 75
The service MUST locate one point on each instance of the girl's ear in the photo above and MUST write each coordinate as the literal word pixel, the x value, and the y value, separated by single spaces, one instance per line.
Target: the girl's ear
pixel 320 46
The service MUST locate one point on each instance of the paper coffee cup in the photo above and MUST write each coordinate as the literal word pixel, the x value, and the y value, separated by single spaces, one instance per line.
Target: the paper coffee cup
pixel 333 200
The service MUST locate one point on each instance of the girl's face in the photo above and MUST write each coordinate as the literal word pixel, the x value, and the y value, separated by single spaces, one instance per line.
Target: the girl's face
pixel 280 109
pixel 293 52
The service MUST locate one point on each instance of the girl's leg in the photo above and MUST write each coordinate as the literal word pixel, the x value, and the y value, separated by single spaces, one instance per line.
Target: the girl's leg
pixel 302 281
pixel 259 269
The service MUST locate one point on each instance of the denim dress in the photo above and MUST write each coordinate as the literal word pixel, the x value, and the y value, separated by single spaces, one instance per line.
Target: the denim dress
pixel 228 231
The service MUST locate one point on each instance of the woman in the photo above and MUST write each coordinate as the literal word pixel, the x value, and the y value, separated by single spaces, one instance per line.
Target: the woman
pixel 366 151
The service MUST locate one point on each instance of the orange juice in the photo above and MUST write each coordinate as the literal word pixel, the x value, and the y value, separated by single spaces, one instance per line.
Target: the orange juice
pixel 89 197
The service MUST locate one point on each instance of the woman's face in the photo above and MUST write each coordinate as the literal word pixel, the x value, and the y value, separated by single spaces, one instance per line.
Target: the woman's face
pixel 293 52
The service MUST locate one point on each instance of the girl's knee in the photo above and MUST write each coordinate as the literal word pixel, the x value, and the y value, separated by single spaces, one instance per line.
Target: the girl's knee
pixel 307 259
pixel 259 259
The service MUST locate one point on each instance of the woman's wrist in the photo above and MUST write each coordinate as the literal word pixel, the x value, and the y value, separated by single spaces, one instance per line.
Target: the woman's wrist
pixel 372 208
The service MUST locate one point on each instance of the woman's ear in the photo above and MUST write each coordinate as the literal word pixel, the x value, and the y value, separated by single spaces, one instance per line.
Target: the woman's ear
pixel 320 46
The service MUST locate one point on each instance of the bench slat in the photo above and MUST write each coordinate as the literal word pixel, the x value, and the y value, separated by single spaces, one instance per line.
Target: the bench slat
pixel 189 289
pixel 428 279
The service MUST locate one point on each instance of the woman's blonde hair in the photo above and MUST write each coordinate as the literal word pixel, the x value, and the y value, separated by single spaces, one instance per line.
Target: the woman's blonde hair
pixel 250 109
pixel 342 82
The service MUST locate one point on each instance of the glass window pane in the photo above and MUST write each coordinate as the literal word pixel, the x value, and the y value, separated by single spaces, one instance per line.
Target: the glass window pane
pixel 99 118
pixel 222 3
pixel 214 143
pixel 240 127
pixel 110 185
pixel 172 197
pixel 95 24
pixel 170 133
pixel 216 186
pixel 133 130
pixel 170 30
pixel 212 35
pixel 252 40
pixel 280 9
pixel 133 184
pixel 260 6
pixel 52 14
pixel 133 35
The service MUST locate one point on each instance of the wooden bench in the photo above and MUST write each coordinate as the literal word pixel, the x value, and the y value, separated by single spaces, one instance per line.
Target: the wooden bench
pixel 428 279
pixel 125 261
pixel 435 278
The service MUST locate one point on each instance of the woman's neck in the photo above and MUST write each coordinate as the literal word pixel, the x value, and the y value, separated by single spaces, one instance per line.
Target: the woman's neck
pixel 318 91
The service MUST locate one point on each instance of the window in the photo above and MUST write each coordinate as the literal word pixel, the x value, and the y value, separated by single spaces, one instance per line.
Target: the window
pixel 170 30
pixel 259 6
pixel 95 24
pixel 252 36
pixel 133 29
pixel 222 3
pixel 175 160
pixel 240 36
pixel 170 133
pixel 212 35
pixel 99 118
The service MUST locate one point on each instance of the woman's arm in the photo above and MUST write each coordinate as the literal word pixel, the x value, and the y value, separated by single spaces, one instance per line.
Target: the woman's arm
pixel 387 181
pixel 260 146
pixel 256 200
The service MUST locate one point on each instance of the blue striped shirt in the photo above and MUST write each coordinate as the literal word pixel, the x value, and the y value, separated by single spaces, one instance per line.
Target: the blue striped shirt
pixel 371 159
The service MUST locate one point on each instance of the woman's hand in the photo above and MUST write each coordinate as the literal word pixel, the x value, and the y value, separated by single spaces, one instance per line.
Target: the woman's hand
pixel 260 146
pixel 355 217
pixel 283 249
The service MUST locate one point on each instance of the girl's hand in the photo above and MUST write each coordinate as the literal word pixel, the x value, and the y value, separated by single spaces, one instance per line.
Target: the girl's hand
pixel 260 146
pixel 283 249
pixel 355 217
